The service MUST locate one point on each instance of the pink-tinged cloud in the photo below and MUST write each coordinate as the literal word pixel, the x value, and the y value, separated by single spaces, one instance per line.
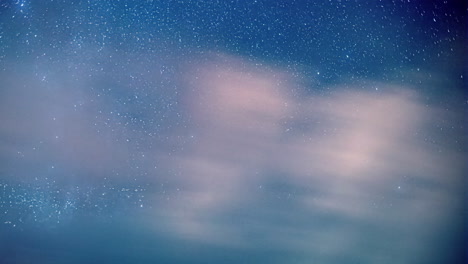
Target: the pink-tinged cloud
pixel 348 148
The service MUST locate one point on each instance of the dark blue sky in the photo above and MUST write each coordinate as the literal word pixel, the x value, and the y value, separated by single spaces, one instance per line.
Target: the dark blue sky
pixel 359 38
pixel 232 131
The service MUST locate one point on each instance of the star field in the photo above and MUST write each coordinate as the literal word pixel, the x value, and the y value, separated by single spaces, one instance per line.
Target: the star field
pixel 232 131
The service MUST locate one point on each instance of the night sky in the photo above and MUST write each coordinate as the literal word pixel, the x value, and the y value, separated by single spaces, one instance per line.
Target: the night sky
pixel 141 131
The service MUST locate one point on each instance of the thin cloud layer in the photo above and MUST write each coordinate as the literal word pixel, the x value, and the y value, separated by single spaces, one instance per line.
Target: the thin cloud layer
pixel 259 161
pixel 48 126
pixel 351 153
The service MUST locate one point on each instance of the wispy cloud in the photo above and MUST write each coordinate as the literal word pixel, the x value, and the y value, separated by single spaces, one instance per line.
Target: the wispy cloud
pixel 260 160
pixel 354 153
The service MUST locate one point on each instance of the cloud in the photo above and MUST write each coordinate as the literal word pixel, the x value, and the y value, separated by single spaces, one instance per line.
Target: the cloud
pixel 47 124
pixel 260 160
pixel 356 154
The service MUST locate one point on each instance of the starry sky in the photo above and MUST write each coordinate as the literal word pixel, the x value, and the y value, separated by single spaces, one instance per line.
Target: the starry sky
pixel 141 131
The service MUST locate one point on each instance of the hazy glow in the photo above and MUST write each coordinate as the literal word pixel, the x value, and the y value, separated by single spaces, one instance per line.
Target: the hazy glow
pixel 264 161
pixel 349 153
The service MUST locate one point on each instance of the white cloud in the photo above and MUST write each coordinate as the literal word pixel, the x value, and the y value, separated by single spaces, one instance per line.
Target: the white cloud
pixel 349 149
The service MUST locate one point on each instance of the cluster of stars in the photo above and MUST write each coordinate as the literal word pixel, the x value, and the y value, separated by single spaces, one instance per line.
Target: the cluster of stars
pixel 47 203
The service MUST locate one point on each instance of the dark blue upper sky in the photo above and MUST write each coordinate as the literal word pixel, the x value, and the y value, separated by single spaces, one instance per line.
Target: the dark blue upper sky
pixel 359 38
